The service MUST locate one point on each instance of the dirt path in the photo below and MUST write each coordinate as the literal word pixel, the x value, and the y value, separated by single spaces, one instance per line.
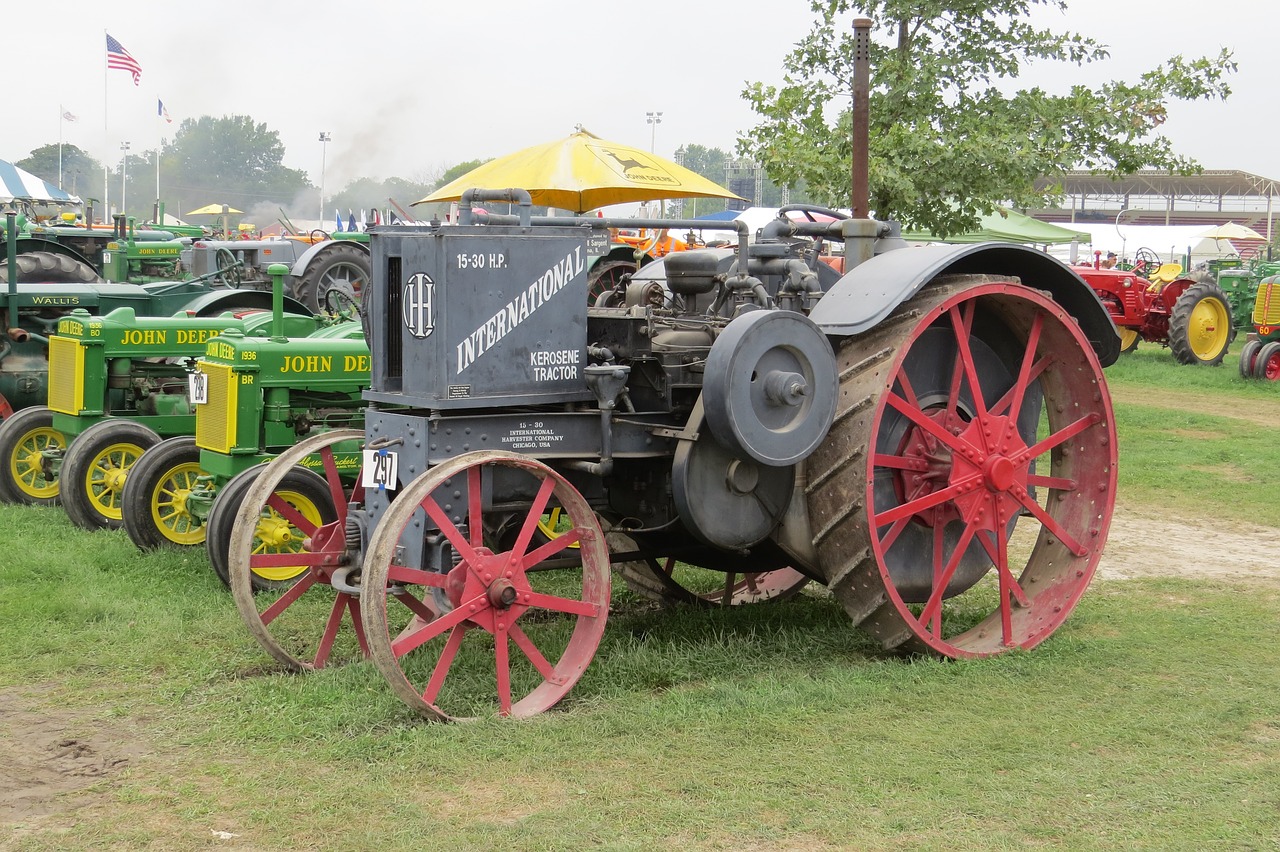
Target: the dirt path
pixel 1145 543
pixel 1264 412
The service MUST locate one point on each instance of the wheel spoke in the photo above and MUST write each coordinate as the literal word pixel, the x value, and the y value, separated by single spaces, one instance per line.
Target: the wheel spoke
pixel 928 424
pixel 336 492
pixel 999 554
pixel 1020 385
pixel 559 604
pixel 934 605
pixel 475 522
pixel 287 599
pixel 531 521
pixel 1063 435
pixel 290 559
pixel 292 515
pixel 1052 525
pixel 911 507
pixel 441 670
pixel 416 576
pixel 432 629
pixel 331 629
pixel 939 551
pixel 531 652
pixel 1061 483
pixel 962 327
pixel 502 667
pixel 887 540
pixel 546 551
pixel 900 462
pixel 450 530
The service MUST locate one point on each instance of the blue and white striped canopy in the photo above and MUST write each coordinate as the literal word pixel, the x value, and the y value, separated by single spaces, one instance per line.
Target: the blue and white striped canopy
pixel 16 183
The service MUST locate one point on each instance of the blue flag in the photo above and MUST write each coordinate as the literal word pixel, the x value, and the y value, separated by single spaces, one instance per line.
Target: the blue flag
pixel 351 222
pixel 337 217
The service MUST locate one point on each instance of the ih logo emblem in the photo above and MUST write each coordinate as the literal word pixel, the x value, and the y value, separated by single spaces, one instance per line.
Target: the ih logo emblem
pixel 419 305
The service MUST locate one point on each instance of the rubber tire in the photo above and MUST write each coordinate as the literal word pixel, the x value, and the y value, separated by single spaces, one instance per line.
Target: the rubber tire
pixel 145 477
pixel 12 432
pixel 1180 323
pixel 46 267
pixel 227 505
pixel 76 464
pixel 1248 357
pixel 1268 353
pixel 343 253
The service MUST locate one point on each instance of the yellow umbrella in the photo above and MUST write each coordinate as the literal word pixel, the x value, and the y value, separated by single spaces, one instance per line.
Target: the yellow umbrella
pixel 583 172
pixel 1231 231
pixel 213 210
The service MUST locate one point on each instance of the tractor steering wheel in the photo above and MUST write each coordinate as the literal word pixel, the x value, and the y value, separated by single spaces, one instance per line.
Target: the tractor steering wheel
pixel 228 268
pixel 1145 262
pixel 340 302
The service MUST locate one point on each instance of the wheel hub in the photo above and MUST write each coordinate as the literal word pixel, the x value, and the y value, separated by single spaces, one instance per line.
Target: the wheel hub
pixel 275 532
pixel 113 480
pixel 997 465
pixel 932 466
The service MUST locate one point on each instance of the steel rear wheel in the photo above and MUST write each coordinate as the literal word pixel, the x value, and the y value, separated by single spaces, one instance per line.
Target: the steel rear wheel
pixel 95 469
pixel 301 618
pixel 464 660
pixel 156 493
pixel 24 436
pixel 1200 325
pixel 962 500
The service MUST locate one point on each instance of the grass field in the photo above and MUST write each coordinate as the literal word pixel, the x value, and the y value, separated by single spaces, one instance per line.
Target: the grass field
pixel 1150 720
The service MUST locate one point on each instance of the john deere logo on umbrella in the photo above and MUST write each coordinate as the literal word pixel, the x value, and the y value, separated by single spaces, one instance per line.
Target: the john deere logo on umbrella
pixel 634 166
pixel 419 315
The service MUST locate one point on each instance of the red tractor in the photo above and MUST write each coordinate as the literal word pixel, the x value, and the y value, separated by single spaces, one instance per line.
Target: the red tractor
pixel 1155 302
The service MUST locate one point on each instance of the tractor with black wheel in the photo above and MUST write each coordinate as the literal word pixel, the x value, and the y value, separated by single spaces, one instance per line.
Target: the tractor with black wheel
pixel 1260 356
pixel 1190 314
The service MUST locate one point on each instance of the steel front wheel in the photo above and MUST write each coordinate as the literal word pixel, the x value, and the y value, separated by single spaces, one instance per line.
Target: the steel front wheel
pixel 961 502
pixel 288 562
pixel 95 469
pixel 157 493
pixel 497 598
pixel 25 474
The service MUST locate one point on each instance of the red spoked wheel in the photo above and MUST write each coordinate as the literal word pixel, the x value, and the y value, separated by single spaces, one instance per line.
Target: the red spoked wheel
pixel 303 622
pixel 976 518
pixel 496 598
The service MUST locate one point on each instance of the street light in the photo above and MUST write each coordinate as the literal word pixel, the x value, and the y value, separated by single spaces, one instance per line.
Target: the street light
pixel 654 119
pixel 325 137
pixel 124 178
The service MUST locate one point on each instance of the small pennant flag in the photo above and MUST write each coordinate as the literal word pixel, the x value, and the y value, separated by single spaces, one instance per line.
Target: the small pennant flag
pixel 118 57
pixel 67 116
pixel 162 112
pixel 337 217
pixel 351 221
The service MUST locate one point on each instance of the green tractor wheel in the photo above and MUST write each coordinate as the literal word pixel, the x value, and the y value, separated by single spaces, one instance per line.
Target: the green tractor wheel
pixel 24 478
pixel 95 468
pixel 156 493
pixel 1249 355
pixel 308 495
pixel 1200 325
pixel 1267 364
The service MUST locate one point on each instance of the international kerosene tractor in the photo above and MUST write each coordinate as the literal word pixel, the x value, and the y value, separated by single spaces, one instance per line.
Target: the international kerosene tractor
pixel 929 435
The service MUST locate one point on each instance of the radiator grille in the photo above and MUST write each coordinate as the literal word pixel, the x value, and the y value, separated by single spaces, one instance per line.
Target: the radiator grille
pixel 1266 310
pixel 66 375
pixel 393 334
pixel 216 418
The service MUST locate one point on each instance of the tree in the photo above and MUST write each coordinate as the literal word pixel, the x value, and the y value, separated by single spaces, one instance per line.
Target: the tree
pixel 229 159
pixel 81 173
pixel 948 143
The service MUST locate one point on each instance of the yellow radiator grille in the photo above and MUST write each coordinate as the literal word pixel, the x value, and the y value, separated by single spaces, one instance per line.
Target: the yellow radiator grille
pixel 66 375
pixel 1266 311
pixel 216 419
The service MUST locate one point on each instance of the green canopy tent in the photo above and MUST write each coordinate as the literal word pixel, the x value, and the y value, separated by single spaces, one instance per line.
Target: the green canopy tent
pixel 1008 226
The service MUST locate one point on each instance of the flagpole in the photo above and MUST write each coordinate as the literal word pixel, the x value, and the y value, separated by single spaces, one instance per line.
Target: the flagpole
pixel 106 178
pixel 59 146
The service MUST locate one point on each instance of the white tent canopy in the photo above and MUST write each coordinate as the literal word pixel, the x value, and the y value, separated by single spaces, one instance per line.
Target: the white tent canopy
pixel 20 185
pixel 1169 242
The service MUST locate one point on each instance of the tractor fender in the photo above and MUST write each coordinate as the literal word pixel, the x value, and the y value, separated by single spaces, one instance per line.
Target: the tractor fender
pixel 29 244
pixel 300 265
pixel 869 292
pixel 217 301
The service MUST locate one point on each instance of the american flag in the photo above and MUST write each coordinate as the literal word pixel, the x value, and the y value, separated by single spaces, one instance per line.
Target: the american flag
pixel 118 57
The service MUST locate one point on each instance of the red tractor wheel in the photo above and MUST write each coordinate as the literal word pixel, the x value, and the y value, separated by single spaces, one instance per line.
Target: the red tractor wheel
pixel 1248 357
pixel 962 499
pixel 494 597
pixel 300 621
pixel 1267 364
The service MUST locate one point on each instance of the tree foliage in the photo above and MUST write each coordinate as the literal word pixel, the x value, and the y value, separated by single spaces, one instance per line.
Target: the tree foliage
pixel 950 136
pixel 229 159
pixel 81 173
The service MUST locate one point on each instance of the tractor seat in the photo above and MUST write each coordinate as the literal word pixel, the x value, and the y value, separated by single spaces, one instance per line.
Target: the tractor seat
pixel 1165 274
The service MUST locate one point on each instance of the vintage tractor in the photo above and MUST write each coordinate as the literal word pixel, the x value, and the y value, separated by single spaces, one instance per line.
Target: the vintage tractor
pixel 118 384
pixel 1189 314
pixel 929 435
pixel 260 395
pixel 1260 356
pixel 325 275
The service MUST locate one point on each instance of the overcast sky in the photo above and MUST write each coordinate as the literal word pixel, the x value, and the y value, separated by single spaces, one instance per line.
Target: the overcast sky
pixel 411 88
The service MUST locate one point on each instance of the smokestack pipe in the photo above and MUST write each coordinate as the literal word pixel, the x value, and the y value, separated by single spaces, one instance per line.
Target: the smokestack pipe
pixel 860 202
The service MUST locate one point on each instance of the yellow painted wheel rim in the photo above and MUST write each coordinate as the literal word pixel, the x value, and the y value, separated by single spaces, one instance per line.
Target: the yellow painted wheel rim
pixel 1128 339
pixel 26 470
pixel 550 523
pixel 1208 329
pixel 276 535
pixel 169 509
pixel 104 480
